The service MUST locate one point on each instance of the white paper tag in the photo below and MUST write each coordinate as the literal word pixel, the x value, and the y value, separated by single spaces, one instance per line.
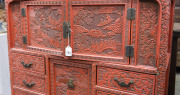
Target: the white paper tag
pixel 68 51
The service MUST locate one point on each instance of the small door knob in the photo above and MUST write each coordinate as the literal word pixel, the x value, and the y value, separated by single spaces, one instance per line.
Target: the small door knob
pixel 70 83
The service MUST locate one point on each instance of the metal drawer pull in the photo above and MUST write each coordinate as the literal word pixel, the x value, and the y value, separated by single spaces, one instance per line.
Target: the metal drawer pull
pixel 123 84
pixel 26 65
pixel 70 83
pixel 27 84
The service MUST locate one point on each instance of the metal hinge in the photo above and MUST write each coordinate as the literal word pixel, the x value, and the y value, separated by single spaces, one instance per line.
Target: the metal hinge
pixel 23 12
pixel 131 12
pixel 24 39
pixel 66 29
pixel 129 51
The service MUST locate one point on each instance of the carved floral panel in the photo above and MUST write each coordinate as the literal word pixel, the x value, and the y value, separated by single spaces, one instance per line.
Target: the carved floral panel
pixel 45 26
pixel 143 83
pixel 99 30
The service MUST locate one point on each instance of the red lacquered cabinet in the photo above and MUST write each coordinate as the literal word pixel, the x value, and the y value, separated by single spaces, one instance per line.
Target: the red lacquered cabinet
pixel 119 47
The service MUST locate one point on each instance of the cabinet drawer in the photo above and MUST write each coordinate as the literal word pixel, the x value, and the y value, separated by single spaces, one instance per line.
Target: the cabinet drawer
pixel 28 62
pixel 29 82
pixel 126 81
pixel 105 93
pixel 111 93
pixel 70 78
pixel 18 91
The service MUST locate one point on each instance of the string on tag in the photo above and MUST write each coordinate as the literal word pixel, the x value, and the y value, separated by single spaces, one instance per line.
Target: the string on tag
pixel 68 38
pixel 68 49
pixel 69 35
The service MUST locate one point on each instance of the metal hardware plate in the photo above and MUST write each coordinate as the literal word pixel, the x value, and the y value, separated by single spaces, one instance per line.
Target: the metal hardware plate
pixel 129 51
pixel 24 39
pixel 23 13
pixel 66 29
pixel 131 13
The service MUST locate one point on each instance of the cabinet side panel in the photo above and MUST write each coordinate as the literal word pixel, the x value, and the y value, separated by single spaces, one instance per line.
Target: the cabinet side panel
pixel 163 55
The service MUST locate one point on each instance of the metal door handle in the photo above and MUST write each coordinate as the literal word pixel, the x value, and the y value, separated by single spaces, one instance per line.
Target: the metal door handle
pixel 70 83
pixel 26 65
pixel 123 84
pixel 28 85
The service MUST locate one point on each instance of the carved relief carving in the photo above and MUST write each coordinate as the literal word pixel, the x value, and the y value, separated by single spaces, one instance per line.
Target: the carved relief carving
pixel 22 92
pixel 105 36
pixel 18 81
pixel 148 33
pixel 37 62
pixel 45 26
pixel 162 67
pixel 111 93
pixel 98 30
pixel 143 83
pixel 64 71
pixel 16 26
pixel 105 93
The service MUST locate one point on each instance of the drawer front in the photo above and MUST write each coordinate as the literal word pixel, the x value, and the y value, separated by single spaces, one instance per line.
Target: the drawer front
pixel 105 93
pixel 111 93
pixel 17 91
pixel 126 81
pixel 29 82
pixel 28 62
pixel 70 78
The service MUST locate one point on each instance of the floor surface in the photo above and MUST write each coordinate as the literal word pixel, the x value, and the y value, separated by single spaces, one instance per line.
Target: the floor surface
pixel 177 87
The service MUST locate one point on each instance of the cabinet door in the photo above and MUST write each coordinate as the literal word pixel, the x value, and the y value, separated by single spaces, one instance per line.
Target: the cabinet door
pixel 70 78
pixel 42 24
pixel 100 28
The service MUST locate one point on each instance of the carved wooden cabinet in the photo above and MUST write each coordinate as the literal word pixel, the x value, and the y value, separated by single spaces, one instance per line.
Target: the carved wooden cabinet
pixel 119 47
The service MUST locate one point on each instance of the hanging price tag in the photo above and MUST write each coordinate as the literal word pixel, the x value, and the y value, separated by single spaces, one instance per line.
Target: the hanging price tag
pixel 68 49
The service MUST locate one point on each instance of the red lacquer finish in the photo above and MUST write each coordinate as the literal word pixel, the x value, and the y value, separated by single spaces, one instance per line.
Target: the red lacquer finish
pixel 20 78
pixel 100 31
pixel 37 63
pixel 19 91
pixel 143 83
pixel 99 36
pixel 64 71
